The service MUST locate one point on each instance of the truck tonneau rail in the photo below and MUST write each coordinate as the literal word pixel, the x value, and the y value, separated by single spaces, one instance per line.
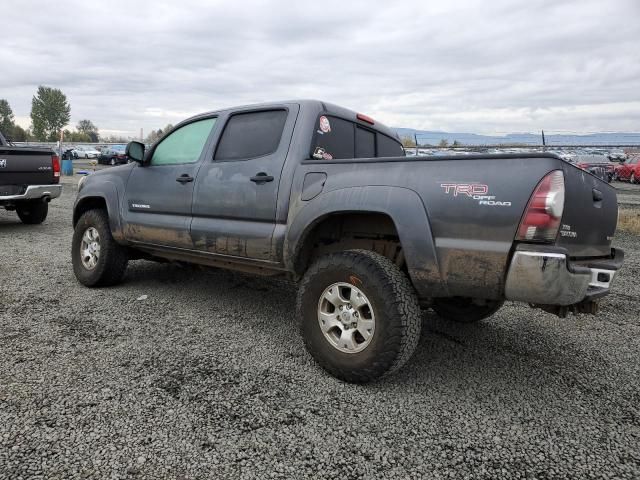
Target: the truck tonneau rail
pixel 426 158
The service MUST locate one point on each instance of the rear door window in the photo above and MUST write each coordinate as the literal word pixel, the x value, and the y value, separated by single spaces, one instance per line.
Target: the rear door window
pixel 251 135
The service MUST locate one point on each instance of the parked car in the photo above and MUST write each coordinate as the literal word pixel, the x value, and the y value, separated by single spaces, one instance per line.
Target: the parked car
pixel 113 155
pixel 326 196
pixel 86 152
pixel 599 165
pixel 29 180
pixel 629 170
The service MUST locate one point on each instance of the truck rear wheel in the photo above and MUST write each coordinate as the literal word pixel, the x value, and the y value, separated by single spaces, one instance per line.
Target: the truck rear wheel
pixel 32 212
pixel 359 315
pixel 465 310
pixel 98 260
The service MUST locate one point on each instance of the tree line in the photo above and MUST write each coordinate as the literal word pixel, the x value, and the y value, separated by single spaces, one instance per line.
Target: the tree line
pixel 409 142
pixel 50 114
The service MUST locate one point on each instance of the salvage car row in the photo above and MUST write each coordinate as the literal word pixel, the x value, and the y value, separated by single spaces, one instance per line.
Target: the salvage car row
pixel 106 155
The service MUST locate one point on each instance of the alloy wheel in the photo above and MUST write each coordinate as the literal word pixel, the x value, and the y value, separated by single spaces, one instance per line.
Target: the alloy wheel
pixel 346 317
pixel 90 248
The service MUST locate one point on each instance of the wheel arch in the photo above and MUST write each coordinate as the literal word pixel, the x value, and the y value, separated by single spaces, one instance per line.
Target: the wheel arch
pixel 105 197
pixel 401 207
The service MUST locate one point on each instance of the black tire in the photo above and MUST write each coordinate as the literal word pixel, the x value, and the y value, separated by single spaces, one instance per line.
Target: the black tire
pixel 394 303
pixel 32 212
pixel 465 310
pixel 113 258
pixel 632 178
pixel 112 161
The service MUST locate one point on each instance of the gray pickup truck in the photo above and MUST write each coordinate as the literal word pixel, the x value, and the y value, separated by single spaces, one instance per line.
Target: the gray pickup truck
pixel 325 196
pixel 29 180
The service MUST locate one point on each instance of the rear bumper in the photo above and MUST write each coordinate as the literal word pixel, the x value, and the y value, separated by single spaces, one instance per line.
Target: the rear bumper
pixel 34 192
pixel 546 276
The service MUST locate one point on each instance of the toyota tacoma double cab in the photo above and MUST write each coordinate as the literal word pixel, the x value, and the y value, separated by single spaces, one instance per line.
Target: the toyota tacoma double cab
pixel 326 197
pixel 29 180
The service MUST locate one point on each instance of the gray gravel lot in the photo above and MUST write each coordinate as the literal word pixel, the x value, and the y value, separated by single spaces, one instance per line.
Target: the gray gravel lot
pixel 207 378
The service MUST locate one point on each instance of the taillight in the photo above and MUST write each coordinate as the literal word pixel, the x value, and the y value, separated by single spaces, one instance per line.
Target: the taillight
pixel 541 219
pixel 55 166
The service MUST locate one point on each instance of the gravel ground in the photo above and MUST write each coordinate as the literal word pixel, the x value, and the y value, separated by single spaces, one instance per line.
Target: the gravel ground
pixel 206 377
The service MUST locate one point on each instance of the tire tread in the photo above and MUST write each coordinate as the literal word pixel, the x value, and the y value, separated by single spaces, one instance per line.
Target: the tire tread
pixel 400 297
pixel 112 269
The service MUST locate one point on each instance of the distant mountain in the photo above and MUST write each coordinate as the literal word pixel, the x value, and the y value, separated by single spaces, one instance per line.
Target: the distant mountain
pixel 426 137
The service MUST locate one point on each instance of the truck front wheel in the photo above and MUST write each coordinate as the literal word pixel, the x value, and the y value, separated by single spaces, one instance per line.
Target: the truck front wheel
pixel 32 212
pixel 98 260
pixel 465 310
pixel 359 315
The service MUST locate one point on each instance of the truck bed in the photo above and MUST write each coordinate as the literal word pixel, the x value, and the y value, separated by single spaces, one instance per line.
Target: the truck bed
pixel 474 205
pixel 22 166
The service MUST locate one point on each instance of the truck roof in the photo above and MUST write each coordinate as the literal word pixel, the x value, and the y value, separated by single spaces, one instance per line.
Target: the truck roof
pixel 321 106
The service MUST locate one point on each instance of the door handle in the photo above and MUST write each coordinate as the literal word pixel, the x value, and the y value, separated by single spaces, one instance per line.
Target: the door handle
pixel 261 178
pixel 184 178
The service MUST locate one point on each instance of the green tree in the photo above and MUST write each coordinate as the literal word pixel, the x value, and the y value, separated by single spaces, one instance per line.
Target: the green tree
pixel 443 143
pixel 76 137
pixel 456 143
pixel 156 135
pixel 408 142
pixel 50 112
pixel 88 128
pixel 19 134
pixel 6 117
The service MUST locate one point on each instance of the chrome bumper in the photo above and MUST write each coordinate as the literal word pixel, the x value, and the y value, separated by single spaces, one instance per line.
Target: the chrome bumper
pixel 34 192
pixel 546 278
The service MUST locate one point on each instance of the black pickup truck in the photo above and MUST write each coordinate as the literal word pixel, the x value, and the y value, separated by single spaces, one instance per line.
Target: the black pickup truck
pixel 29 180
pixel 326 197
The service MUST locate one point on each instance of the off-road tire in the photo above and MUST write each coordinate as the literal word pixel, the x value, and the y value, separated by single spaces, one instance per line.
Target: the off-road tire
pixel 32 212
pixel 394 302
pixel 463 310
pixel 113 258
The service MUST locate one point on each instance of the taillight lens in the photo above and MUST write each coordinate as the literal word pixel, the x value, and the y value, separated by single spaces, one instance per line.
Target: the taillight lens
pixel 55 166
pixel 541 219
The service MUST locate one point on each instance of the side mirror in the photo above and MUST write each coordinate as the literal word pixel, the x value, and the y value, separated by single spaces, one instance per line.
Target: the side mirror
pixel 135 151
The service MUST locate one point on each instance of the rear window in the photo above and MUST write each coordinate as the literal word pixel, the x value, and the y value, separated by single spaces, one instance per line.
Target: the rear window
pixel 388 147
pixel 365 143
pixel 251 135
pixel 336 138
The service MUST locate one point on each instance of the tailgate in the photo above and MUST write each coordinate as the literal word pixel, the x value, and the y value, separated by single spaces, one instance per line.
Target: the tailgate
pixel 25 166
pixel 590 214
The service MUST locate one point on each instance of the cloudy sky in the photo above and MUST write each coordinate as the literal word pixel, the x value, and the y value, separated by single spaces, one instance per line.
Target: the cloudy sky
pixel 467 66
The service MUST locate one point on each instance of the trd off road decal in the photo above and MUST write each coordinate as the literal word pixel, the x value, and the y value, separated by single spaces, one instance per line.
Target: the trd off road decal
pixel 475 191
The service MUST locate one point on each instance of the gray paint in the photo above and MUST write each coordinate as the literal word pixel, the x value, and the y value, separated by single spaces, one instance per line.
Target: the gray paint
pixel 453 245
